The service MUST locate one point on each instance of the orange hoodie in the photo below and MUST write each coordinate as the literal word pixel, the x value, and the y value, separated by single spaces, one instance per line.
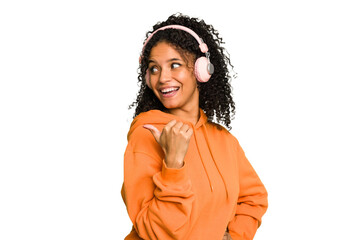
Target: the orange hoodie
pixel 216 189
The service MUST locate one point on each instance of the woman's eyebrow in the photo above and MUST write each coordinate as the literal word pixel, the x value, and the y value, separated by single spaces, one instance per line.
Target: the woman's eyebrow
pixel 170 60
pixel 174 59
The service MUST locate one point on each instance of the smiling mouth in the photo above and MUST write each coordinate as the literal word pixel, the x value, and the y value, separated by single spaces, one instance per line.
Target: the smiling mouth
pixel 169 92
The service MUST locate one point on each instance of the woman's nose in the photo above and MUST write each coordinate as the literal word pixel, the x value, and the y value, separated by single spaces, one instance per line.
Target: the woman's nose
pixel 165 75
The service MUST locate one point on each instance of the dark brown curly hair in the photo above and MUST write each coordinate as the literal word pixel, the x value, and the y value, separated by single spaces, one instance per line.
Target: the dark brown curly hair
pixel 215 95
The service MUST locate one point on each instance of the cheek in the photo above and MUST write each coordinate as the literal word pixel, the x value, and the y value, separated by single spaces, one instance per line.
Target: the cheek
pixel 152 81
pixel 186 77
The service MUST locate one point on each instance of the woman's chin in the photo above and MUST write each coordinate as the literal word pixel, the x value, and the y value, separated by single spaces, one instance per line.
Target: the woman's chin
pixel 170 106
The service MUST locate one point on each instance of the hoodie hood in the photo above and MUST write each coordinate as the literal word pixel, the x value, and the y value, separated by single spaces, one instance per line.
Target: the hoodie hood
pixel 157 117
pixel 160 117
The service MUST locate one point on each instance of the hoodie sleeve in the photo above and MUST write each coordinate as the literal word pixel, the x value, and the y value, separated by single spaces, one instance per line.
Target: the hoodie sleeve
pixel 252 201
pixel 158 199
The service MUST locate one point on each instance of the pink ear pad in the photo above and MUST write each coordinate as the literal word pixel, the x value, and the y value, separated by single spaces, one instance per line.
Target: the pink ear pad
pixel 201 72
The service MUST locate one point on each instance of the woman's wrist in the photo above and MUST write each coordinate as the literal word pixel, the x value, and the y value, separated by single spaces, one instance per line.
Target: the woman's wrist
pixel 174 162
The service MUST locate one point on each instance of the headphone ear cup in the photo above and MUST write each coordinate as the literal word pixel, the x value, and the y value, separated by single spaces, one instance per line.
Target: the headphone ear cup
pixel 201 69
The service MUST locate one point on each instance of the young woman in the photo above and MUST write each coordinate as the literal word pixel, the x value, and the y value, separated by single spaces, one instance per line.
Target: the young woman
pixel 185 176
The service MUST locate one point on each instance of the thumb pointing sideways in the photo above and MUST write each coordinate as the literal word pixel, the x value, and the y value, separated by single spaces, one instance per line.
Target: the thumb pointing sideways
pixel 155 132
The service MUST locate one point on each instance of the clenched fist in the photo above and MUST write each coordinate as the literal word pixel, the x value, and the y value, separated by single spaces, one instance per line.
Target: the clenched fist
pixel 174 141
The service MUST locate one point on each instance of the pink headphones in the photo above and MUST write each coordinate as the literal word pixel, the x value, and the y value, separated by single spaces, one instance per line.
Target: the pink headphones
pixel 203 67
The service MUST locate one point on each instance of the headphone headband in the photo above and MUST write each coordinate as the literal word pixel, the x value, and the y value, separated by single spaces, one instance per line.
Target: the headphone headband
pixel 203 47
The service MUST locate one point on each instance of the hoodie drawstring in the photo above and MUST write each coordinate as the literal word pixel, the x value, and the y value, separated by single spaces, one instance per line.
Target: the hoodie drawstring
pixel 202 161
pixel 212 156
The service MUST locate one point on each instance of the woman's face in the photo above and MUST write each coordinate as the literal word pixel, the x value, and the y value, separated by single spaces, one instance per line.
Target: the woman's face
pixel 171 79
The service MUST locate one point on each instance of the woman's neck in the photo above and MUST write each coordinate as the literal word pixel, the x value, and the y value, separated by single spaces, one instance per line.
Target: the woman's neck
pixel 192 115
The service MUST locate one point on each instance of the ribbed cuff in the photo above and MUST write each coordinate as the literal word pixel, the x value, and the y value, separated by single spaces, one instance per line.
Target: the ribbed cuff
pixel 174 175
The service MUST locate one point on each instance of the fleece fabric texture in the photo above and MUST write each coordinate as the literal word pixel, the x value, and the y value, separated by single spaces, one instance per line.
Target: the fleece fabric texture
pixel 216 190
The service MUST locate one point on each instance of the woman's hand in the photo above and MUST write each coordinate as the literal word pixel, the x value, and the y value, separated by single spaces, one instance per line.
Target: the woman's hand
pixel 227 236
pixel 174 141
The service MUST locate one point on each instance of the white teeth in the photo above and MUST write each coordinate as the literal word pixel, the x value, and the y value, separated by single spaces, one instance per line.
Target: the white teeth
pixel 169 90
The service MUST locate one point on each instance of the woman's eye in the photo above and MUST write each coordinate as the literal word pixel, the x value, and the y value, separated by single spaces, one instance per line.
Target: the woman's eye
pixel 153 69
pixel 175 65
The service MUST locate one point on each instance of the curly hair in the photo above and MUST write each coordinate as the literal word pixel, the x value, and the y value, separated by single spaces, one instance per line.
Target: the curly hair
pixel 215 97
